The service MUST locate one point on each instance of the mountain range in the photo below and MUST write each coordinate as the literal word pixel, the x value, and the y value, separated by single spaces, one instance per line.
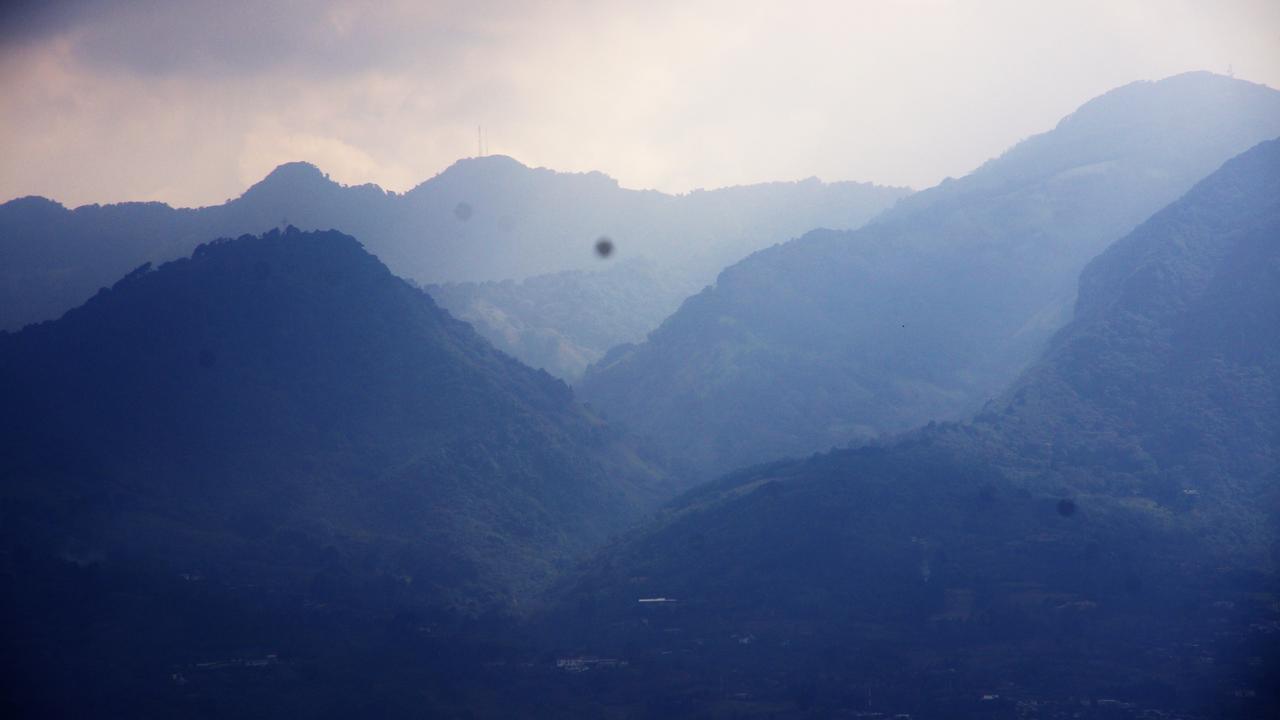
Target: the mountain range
pixel 1033 417
pixel 481 220
pixel 934 307
pixel 1112 514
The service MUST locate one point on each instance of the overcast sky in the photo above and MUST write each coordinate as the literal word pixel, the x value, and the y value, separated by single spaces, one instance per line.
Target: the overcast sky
pixel 104 100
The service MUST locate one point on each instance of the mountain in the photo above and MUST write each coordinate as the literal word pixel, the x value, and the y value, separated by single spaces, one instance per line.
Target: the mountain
pixel 1100 539
pixel 281 411
pixel 934 307
pixel 482 219
pixel 492 218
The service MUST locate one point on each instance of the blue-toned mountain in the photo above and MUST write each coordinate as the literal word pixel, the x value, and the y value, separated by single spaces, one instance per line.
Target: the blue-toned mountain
pixel 282 411
pixel 1104 533
pixel 935 307
pixel 482 220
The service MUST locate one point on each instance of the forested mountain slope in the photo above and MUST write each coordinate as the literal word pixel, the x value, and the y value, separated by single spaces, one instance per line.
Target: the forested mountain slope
pixel 1106 529
pixel 931 310
pixel 282 411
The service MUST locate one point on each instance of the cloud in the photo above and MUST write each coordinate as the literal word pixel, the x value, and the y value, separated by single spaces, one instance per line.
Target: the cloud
pixel 109 100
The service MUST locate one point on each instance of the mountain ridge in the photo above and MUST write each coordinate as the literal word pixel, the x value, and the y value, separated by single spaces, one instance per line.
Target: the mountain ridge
pixel 481 219
pixel 1113 512
pixel 931 308
pixel 287 392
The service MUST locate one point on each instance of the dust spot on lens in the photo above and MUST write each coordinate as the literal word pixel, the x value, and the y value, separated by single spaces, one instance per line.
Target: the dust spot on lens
pixel 208 358
pixel 604 246
pixel 462 211
pixel 1066 507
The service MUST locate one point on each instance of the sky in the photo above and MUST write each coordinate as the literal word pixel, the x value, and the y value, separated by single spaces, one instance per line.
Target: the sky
pixel 190 103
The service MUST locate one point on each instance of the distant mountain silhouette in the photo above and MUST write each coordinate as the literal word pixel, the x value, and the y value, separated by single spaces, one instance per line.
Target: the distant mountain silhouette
pixel 482 219
pixel 934 307
pixel 282 411
pixel 1106 529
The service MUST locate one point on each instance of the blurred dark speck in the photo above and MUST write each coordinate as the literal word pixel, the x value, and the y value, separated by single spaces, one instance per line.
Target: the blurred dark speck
pixel 208 358
pixel 462 211
pixel 604 246
pixel 1066 507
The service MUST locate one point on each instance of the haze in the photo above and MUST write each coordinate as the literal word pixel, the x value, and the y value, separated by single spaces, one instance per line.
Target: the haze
pixel 188 104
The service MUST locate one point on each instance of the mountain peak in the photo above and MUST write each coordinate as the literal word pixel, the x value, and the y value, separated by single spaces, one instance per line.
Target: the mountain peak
pixel 1186 92
pixel 486 165
pixel 488 162
pixel 504 169
pixel 291 177
pixel 34 204
pixel 297 170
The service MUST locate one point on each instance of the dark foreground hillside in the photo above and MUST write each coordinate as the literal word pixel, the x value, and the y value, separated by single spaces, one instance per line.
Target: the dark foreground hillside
pixel 1101 540
pixel 211 455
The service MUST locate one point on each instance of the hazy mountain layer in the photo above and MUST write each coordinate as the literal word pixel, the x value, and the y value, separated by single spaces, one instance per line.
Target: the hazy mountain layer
pixel 483 219
pixel 565 321
pixel 932 309
pixel 284 412
pixel 1104 535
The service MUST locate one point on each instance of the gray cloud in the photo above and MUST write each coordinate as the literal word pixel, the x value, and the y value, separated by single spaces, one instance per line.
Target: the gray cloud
pixel 31 21
pixel 234 37
pixel 190 102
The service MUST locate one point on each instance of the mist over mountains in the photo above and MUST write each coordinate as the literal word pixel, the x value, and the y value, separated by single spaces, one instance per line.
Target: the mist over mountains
pixel 935 306
pixel 482 219
pixel 1116 504
pixel 1008 447
pixel 562 322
